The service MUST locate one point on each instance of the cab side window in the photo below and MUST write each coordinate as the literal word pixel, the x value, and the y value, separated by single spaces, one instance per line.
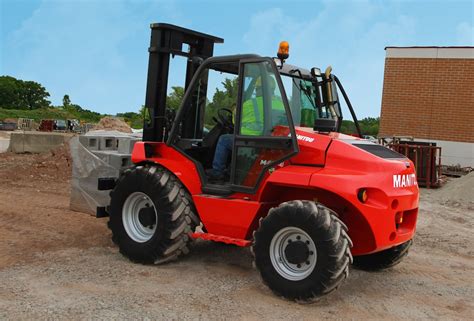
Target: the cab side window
pixel 262 114
pixel 262 109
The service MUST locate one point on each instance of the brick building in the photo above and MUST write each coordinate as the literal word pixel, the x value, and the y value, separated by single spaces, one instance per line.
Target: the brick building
pixel 428 93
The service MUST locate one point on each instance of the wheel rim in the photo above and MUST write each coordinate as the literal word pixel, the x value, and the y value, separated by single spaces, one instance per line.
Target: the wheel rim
pixel 293 253
pixel 139 217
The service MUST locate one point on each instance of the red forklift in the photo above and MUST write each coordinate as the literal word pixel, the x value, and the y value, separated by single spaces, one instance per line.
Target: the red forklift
pixel 308 200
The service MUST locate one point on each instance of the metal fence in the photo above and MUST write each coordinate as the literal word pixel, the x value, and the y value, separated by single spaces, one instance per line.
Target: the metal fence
pixel 427 160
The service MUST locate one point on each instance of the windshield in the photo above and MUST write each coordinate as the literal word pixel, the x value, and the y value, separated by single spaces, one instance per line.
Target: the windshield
pixel 307 101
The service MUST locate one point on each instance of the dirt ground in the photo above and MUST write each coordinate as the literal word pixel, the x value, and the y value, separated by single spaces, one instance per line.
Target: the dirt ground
pixel 58 264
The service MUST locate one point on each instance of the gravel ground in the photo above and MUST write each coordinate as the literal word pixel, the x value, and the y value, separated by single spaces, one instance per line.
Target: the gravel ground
pixel 58 264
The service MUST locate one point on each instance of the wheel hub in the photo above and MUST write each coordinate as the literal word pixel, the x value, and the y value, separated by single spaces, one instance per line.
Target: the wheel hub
pixel 297 252
pixel 146 216
pixel 293 253
pixel 139 217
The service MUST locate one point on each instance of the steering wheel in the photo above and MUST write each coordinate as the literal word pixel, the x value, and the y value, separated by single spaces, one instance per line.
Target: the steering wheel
pixel 224 118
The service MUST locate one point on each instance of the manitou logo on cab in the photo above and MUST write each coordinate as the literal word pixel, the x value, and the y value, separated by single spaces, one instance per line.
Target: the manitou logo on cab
pixel 305 138
pixel 404 180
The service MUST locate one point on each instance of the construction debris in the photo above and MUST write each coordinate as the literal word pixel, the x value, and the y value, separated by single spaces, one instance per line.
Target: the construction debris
pixel 113 123
pixel 455 170
pixel 54 165
pixel 459 192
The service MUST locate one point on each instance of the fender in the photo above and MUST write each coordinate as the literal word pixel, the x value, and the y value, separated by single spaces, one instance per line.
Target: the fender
pixel 172 160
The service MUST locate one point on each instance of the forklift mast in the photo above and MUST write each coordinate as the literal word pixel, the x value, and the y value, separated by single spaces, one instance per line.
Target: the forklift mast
pixel 168 40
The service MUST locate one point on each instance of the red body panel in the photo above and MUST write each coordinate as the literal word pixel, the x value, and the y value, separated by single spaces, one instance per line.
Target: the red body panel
pixel 173 160
pixel 384 200
pixel 222 239
pixel 227 217
pixel 328 169
pixel 312 147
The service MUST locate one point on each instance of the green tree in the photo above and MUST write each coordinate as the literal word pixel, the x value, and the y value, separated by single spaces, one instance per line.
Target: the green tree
pixel 10 93
pixel 368 126
pixel 174 99
pixel 225 98
pixel 66 101
pixel 19 94
pixel 34 95
pixel 144 114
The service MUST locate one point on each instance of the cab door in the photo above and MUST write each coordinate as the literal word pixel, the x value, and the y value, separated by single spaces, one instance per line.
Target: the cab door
pixel 264 131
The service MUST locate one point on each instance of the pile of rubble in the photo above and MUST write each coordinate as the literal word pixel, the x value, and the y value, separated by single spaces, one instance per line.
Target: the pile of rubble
pixel 54 165
pixel 112 123
pixel 459 192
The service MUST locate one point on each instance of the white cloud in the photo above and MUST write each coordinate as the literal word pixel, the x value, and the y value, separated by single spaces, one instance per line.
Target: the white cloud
pixel 264 27
pixel 349 36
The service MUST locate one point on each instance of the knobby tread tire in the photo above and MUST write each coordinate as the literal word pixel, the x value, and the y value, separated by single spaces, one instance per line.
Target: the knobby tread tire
pixel 332 245
pixel 176 214
pixel 384 259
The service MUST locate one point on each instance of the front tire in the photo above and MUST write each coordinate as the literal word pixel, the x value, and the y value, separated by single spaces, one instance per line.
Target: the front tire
pixel 151 215
pixel 384 259
pixel 302 250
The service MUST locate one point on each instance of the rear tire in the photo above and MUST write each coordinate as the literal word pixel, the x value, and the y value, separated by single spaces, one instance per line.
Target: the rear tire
pixel 302 250
pixel 151 215
pixel 384 259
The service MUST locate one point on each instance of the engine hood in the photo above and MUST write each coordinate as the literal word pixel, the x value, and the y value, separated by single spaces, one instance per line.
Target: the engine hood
pixel 314 147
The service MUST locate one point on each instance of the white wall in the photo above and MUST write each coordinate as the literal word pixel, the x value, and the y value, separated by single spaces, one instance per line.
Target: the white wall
pixel 430 52
pixel 453 153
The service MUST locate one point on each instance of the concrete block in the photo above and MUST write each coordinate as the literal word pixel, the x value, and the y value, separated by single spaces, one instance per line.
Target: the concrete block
pixel 89 142
pixel 108 143
pixel 102 155
pixel 86 169
pixel 120 161
pixel 125 144
pixel 36 142
pixel 114 159
pixel 4 145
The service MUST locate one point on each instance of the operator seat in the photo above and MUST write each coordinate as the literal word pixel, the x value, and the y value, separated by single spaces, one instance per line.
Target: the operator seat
pixel 209 142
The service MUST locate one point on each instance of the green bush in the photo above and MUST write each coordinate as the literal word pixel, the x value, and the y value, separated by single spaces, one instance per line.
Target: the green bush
pixel 51 113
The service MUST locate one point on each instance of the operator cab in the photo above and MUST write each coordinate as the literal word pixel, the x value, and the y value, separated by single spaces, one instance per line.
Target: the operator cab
pixel 248 104
pixel 252 103
pixel 244 111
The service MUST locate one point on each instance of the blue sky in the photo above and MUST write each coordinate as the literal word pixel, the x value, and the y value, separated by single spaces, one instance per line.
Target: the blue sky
pixel 96 51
